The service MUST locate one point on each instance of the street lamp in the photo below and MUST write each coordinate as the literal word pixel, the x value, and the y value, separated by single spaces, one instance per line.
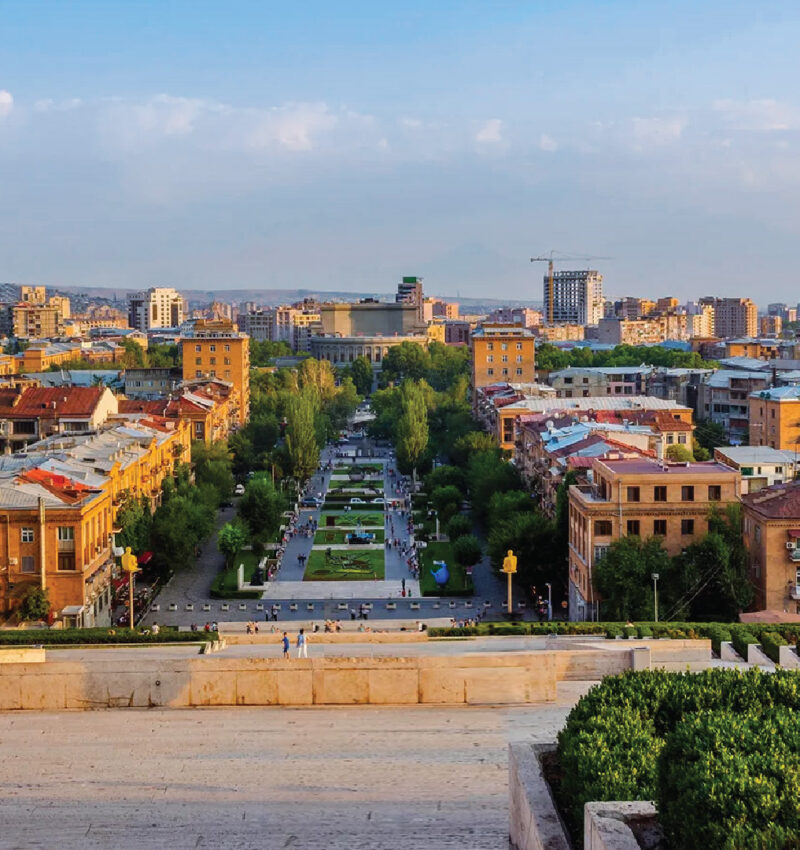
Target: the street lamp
pixel 509 568
pixel 131 566
pixel 549 601
pixel 655 594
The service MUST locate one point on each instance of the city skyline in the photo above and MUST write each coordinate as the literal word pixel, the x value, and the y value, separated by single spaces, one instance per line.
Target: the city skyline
pixel 320 148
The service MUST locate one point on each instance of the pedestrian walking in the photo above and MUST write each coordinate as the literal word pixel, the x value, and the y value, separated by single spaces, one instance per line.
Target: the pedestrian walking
pixel 285 644
pixel 302 644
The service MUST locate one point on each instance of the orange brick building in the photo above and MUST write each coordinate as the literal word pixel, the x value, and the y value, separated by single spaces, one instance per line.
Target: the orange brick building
pixel 775 418
pixel 502 353
pixel 772 536
pixel 217 350
pixel 641 497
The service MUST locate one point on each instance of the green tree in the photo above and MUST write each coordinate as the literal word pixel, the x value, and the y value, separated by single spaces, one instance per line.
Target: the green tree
pixel 301 436
pixel 488 474
pixel 261 508
pixel 623 576
pixel 475 442
pixel 502 505
pixel 446 501
pixel 179 525
pixel 136 521
pixel 679 453
pixel 407 361
pixel 530 535
pixel 134 356
pixel 412 428
pixel 443 476
pixel 467 550
pixel 710 434
pixel 362 375
pixel 35 604
pixel 230 540
pixel 458 526
pixel 262 353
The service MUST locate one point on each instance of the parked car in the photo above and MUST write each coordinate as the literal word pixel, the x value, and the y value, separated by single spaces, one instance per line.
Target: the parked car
pixel 379 501
pixel 310 502
pixel 239 490
pixel 356 501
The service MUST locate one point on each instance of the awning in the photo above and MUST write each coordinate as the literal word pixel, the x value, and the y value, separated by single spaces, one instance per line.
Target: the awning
pixel 145 558
pixel 793 532
pixel 72 610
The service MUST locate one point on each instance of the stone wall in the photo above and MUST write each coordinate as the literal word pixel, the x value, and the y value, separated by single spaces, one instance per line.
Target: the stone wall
pixel 217 681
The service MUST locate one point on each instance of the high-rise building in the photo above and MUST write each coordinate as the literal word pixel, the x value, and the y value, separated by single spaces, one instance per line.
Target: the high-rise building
pixel 32 294
pixel 733 316
pixel 216 350
pixel 410 292
pixel 577 297
pixel 293 325
pixel 157 307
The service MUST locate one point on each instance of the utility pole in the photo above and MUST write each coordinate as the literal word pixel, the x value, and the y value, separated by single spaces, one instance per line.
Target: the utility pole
pixel 655 594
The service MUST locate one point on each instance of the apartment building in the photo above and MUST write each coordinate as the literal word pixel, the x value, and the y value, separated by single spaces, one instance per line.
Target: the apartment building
pixel 151 383
pixel 409 291
pixel 770 325
pixel 771 533
pixel 293 325
pixel 724 399
pixel 599 381
pixel 644 498
pixel 60 501
pixel 157 307
pixel 573 297
pixel 560 333
pixel 774 417
pixel 525 316
pixel 733 316
pixel 217 350
pixel 760 466
pixel 502 353
pixel 644 331
pixel 29 414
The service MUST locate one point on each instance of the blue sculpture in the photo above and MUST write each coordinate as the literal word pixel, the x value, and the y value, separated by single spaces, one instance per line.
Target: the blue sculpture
pixel 442 575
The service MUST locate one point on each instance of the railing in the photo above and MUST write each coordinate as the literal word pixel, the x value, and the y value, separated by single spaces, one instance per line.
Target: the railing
pixel 794 590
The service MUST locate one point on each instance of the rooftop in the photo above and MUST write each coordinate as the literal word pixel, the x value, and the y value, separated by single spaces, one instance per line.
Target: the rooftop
pixel 778 394
pixel 780 501
pixel 747 455
pixel 592 403
pixel 643 466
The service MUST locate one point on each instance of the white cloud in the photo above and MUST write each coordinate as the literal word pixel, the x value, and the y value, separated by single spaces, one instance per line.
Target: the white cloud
pixel 293 127
pixel 50 105
pixel 491 132
pixel 6 102
pixel 759 115
pixel 547 143
pixel 411 123
pixel 657 132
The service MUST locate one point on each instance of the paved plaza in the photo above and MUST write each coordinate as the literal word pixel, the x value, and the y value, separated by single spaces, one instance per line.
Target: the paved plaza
pixel 327 778
pixel 189 590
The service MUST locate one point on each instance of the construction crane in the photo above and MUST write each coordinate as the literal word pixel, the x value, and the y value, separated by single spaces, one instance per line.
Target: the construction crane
pixel 550 260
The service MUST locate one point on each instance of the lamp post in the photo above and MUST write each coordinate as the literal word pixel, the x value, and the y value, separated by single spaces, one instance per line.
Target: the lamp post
pixel 509 568
pixel 131 566
pixel 655 594
pixel 549 601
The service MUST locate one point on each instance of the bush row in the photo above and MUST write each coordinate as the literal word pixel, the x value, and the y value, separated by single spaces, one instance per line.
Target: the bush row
pixel 53 637
pixel 719 751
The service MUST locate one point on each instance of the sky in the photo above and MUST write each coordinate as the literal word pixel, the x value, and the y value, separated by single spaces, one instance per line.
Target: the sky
pixel 341 145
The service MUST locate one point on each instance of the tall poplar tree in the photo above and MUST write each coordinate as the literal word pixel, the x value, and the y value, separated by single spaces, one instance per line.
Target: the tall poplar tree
pixel 301 438
pixel 412 427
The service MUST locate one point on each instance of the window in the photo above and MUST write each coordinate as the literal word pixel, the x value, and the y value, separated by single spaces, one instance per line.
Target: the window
pixel 687 494
pixel 66 532
pixel 519 358
pixel 213 361
pixel 227 361
pixel 198 361
pixel 519 346
pixel 602 528
pixel 772 413
pixel 227 348
pixel 66 562
pixel 504 346
pixel 687 526
pixel 490 372
pixel 599 553
pixel 212 347
pixel 633 527
pixel 490 346
pixel 660 527
pixel 197 348
pixel 633 494
pixel 490 358
pixel 682 439
pixel 714 492
pixel 659 494
pixel 27 565
pixel 27 535
pixel 519 371
pixel 198 374
pixel 505 371
pixel 504 358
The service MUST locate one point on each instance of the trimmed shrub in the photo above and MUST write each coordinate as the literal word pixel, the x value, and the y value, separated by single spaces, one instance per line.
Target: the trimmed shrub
pixel 644 632
pixel 728 780
pixel 741 640
pixel 613 632
pixel 458 526
pixel 719 635
pixel 112 634
pixel 771 643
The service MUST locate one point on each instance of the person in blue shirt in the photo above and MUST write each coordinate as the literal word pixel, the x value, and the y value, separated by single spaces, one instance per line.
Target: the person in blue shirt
pixel 285 643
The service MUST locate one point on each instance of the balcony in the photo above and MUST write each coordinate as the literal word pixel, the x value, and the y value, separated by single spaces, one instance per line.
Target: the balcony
pixel 794 555
pixel 793 590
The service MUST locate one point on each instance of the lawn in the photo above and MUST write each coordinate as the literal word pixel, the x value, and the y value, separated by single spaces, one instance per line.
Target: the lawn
pixel 344 565
pixel 459 583
pixel 328 536
pixel 377 486
pixel 225 581
pixel 353 518
pixel 359 467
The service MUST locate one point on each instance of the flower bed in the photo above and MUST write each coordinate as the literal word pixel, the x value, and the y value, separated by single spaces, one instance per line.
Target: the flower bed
pixel 718 751
pixel 338 536
pixel 344 565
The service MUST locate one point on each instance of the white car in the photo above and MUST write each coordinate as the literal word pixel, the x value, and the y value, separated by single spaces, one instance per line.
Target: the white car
pixel 239 490
pixel 356 501
pixel 379 501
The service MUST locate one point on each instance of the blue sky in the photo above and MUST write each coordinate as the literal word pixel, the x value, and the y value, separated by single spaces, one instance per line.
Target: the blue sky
pixel 342 145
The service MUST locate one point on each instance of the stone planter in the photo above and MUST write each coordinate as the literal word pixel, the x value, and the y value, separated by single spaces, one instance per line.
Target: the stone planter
pixel 535 823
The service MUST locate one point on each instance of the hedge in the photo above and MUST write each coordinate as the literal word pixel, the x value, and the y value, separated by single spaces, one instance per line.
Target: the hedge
pixel 53 637
pixel 741 640
pixel 630 737
pixel 771 643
